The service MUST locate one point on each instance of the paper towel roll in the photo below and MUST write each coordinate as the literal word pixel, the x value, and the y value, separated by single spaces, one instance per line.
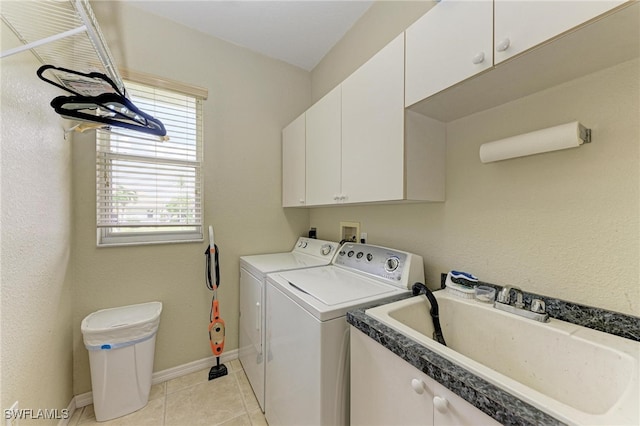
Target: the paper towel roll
pixel 551 139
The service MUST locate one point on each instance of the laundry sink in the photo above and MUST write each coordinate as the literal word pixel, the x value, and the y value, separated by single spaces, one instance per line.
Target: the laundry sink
pixel 577 375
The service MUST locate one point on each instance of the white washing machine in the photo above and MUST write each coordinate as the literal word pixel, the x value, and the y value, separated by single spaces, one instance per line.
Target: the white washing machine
pixel 307 332
pixel 306 253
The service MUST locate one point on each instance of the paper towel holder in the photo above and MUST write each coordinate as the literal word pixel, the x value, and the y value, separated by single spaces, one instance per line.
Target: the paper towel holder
pixel 569 135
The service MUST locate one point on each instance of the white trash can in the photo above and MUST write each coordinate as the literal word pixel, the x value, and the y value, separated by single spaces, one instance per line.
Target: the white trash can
pixel 121 343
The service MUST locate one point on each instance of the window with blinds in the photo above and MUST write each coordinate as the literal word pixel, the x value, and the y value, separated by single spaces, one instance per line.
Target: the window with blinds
pixel 149 190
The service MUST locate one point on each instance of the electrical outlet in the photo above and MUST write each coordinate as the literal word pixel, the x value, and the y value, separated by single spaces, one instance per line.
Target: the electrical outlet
pixel 349 231
pixel 11 416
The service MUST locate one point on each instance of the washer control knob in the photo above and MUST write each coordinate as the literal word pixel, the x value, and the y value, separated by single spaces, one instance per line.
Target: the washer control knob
pixel 326 249
pixel 369 257
pixel 351 253
pixel 359 255
pixel 391 264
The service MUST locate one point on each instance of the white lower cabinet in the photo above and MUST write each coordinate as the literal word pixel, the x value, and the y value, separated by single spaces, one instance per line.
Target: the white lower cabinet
pixel 451 410
pixel 386 390
pixel 382 387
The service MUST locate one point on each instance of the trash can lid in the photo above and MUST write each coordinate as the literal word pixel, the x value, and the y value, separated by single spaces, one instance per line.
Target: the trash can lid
pixel 122 324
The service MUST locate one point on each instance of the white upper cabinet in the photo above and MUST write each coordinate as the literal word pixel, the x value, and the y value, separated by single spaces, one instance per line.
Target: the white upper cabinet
pixel 324 149
pixel 450 43
pixel 521 25
pixel 361 144
pixel 373 128
pixel 293 163
pixel 463 46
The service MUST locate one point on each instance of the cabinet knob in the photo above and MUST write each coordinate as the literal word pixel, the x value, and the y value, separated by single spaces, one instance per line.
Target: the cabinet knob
pixel 336 198
pixel 441 404
pixel 478 59
pixel 503 45
pixel 301 200
pixel 418 386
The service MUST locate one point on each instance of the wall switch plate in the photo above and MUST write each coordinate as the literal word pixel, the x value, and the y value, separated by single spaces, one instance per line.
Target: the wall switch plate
pixel 349 231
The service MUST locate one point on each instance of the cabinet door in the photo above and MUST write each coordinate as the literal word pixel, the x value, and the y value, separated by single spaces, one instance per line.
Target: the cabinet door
pixel 323 149
pixel 293 163
pixel 451 410
pixel 521 25
pixel 373 128
pixel 451 42
pixel 382 387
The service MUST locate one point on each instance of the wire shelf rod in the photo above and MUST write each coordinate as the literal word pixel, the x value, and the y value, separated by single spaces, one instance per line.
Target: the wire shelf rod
pixel 37 43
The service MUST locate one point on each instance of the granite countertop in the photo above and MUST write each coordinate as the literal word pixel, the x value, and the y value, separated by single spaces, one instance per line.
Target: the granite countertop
pixel 492 400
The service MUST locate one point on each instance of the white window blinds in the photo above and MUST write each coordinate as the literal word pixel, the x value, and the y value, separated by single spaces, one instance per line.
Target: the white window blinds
pixel 148 189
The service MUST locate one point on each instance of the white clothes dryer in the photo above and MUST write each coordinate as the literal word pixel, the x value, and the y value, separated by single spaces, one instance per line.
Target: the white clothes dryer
pixel 306 253
pixel 307 376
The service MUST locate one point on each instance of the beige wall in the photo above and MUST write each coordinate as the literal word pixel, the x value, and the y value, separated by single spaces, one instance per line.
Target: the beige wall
pixel 251 98
pixel 561 224
pixel 36 355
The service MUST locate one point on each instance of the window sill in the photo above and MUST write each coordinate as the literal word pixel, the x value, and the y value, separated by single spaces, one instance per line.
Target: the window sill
pixel 145 240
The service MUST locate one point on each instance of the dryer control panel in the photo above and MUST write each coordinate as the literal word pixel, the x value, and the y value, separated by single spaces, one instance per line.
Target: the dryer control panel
pixel 318 248
pixel 398 267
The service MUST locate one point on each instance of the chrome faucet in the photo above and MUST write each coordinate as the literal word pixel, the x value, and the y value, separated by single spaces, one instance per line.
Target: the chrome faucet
pixel 503 302
pixel 504 296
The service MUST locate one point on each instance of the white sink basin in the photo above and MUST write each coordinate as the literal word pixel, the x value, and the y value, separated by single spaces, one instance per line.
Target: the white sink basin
pixel 577 375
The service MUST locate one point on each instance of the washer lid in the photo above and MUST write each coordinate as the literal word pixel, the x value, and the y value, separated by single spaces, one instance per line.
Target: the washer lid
pixel 274 262
pixel 306 253
pixel 333 286
pixel 328 292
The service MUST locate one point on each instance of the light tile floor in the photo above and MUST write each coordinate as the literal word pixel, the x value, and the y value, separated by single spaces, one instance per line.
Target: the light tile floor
pixel 191 400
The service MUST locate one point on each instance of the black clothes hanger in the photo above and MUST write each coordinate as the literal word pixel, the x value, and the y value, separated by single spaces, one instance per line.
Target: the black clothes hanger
pixel 110 108
pixel 93 80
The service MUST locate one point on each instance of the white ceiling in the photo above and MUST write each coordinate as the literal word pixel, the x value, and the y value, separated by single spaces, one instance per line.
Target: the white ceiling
pixel 299 32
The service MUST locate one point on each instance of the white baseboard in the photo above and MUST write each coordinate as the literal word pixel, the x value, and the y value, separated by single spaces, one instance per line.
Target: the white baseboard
pixel 71 408
pixel 191 367
pixel 86 398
